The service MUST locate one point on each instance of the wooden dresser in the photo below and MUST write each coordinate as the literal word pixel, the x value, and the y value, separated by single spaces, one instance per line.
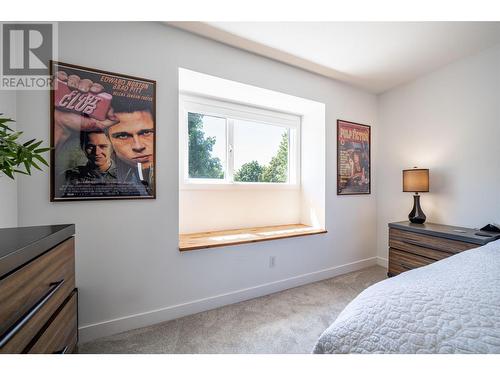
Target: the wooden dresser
pixel 416 245
pixel 38 299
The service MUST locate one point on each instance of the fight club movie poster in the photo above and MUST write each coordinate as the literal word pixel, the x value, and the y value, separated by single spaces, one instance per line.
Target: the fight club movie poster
pixel 353 158
pixel 102 135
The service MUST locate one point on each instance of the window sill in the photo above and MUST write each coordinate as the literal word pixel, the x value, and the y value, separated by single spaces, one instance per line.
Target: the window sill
pixel 206 240
pixel 239 186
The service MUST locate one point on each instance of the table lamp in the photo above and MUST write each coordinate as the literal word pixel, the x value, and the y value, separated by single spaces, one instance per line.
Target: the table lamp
pixel 416 180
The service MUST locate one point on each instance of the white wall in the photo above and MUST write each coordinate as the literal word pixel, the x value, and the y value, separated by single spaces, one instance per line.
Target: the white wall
pixel 8 188
pixel 128 265
pixel 208 210
pixel 448 121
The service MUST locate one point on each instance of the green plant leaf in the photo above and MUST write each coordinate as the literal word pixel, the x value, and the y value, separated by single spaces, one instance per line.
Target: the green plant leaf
pixel 13 153
pixel 41 160
pixel 35 165
pixel 8 172
pixel 20 171
pixel 35 145
pixel 27 166
pixel 41 150
pixel 26 144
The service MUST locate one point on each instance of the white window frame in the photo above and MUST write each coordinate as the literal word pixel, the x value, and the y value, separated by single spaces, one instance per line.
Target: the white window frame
pixel 235 111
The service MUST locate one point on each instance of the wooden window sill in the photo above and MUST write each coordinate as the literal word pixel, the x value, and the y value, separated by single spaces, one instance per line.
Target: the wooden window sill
pixel 206 240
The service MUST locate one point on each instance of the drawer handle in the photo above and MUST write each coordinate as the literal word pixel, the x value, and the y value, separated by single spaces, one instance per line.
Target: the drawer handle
pixel 416 243
pixel 16 327
pixel 62 351
pixel 405 266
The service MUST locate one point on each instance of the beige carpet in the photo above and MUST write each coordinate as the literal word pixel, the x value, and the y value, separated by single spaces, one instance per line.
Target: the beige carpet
pixel 285 322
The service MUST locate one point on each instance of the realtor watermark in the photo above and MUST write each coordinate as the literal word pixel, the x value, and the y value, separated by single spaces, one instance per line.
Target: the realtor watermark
pixel 27 49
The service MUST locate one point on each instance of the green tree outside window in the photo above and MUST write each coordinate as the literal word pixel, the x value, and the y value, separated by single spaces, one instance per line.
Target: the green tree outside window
pixel 203 165
pixel 276 171
pixel 201 162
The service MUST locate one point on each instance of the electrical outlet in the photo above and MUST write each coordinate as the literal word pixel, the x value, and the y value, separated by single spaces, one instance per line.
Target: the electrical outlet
pixel 272 261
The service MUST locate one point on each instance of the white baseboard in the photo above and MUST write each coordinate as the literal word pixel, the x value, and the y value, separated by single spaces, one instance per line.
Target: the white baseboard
pixel 383 262
pixel 125 323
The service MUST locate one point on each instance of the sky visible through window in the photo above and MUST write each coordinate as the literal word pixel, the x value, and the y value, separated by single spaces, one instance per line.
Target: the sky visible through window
pixel 252 140
pixel 255 141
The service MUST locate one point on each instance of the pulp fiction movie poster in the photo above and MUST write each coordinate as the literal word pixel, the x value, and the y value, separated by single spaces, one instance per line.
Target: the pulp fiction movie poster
pixel 103 135
pixel 353 158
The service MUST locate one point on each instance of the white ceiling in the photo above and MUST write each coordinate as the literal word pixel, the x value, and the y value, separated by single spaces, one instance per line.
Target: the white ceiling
pixel 375 56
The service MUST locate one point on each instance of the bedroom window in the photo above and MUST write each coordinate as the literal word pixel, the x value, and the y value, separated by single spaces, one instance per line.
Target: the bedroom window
pixel 230 144
pixel 241 148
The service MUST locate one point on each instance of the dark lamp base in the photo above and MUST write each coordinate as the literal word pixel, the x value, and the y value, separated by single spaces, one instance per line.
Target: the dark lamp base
pixel 416 215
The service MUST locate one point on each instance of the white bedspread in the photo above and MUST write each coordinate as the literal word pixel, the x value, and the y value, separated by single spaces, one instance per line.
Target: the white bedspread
pixel 451 306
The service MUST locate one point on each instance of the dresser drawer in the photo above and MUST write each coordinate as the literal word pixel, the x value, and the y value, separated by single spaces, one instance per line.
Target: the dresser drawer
pixel 433 247
pixel 31 295
pixel 60 333
pixel 401 261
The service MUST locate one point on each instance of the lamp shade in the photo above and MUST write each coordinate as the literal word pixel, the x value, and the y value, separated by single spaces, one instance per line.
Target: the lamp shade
pixel 416 180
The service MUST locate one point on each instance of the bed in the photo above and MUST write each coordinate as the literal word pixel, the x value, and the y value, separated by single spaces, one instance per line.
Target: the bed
pixel 451 306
